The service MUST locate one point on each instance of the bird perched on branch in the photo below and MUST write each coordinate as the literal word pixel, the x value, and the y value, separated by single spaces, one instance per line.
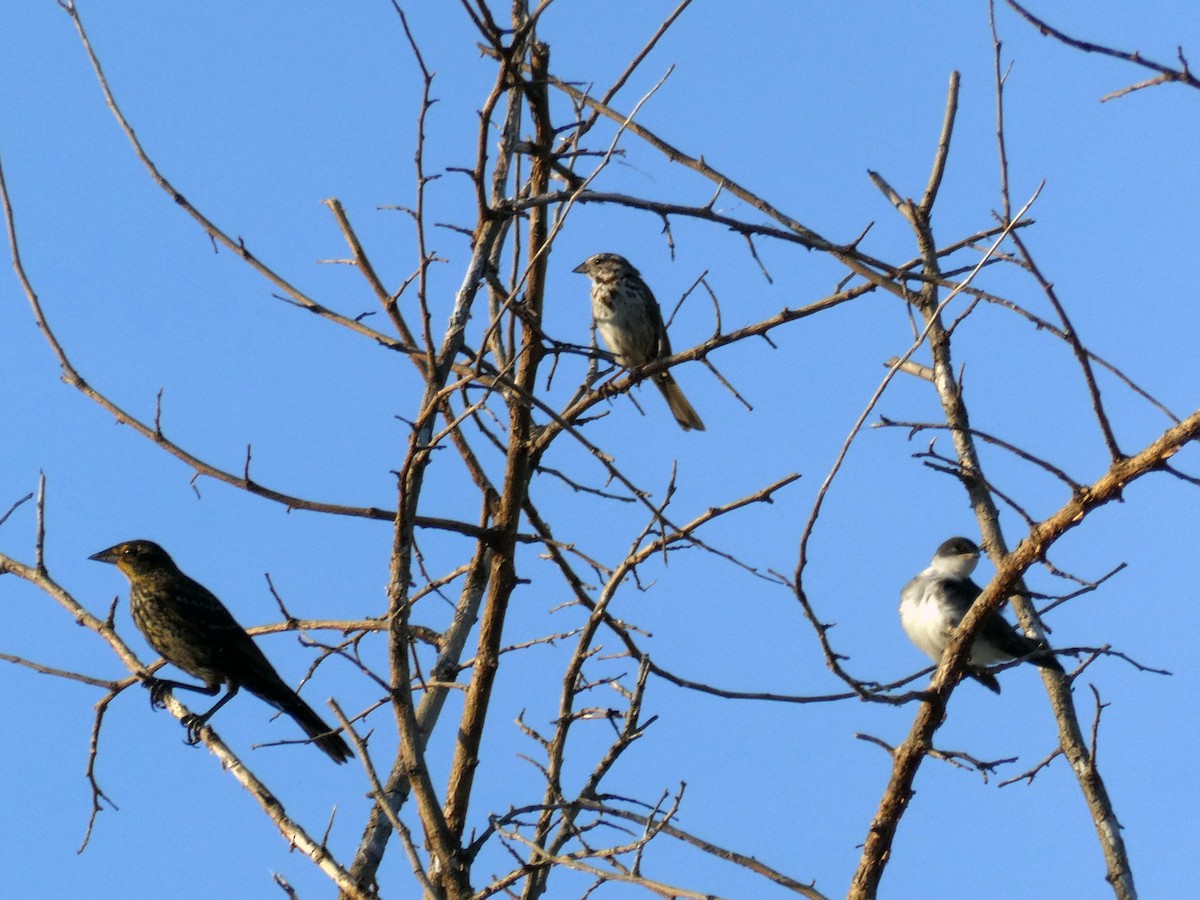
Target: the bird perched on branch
pixel 629 320
pixel 194 631
pixel 933 604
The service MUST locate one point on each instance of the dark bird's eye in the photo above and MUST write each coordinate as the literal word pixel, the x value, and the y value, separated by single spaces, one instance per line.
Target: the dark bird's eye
pixel 129 551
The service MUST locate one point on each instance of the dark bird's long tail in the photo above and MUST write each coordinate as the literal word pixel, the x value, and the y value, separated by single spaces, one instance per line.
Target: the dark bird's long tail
pixel 685 415
pixel 286 700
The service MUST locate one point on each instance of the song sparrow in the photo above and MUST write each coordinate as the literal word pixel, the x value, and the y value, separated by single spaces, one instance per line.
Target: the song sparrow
pixel 631 324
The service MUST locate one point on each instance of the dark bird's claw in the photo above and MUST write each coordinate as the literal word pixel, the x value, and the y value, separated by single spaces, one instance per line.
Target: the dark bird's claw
pixel 194 725
pixel 157 690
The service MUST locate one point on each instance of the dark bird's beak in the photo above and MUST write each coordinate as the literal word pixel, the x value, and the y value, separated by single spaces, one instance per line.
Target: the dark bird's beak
pixel 581 268
pixel 108 556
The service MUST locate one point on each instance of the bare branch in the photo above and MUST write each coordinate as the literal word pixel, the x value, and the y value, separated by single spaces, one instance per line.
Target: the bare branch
pixel 1182 75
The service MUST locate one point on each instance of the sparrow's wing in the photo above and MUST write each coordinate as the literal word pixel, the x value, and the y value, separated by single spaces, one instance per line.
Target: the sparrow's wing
pixel 654 314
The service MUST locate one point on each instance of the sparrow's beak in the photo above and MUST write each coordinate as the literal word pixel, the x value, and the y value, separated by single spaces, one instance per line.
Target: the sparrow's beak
pixel 108 556
pixel 581 268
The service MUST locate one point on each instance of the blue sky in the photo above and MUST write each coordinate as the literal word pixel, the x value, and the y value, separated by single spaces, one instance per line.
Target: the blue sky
pixel 257 113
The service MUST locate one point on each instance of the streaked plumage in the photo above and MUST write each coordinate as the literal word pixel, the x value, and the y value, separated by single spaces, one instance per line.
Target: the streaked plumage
pixel 934 603
pixel 193 630
pixel 628 318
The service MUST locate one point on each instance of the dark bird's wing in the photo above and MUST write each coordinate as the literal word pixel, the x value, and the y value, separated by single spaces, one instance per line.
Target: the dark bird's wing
pixel 244 664
pixel 192 629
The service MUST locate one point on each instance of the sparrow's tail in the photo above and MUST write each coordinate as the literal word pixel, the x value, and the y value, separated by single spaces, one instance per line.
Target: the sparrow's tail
pixel 684 414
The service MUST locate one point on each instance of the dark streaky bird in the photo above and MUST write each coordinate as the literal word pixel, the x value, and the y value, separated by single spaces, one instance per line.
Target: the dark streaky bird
pixel 935 602
pixel 192 629
pixel 628 318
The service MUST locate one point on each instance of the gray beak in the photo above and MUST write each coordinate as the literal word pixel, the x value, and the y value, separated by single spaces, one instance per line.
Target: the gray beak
pixel 108 556
pixel 581 268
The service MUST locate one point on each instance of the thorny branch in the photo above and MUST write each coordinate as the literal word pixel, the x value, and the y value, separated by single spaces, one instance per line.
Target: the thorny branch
pixel 1181 75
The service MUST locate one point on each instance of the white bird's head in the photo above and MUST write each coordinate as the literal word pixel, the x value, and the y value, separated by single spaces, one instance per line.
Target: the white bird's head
pixel 956 558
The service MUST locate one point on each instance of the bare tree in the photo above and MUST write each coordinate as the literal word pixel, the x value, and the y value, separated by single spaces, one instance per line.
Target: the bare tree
pixel 497 398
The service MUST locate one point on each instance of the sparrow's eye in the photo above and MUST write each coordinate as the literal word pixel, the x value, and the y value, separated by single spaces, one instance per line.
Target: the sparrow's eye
pixel 128 551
